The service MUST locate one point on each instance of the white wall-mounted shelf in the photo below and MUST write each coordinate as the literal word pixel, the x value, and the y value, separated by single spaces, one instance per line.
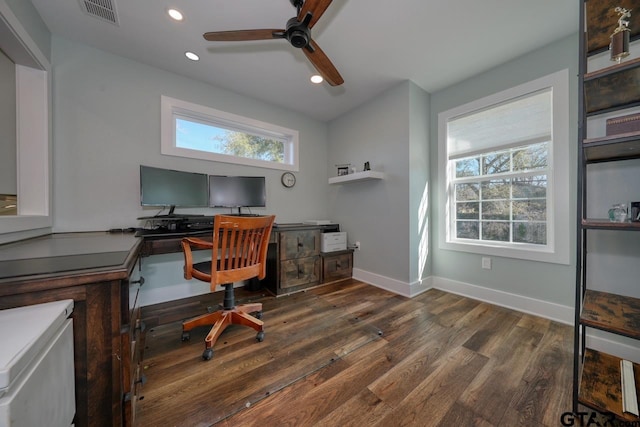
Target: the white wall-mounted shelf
pixel 358 176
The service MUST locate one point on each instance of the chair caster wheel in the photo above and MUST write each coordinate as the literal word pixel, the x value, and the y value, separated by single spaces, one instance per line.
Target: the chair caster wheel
pixel 260 336
pixel 186 336
pixel 257 315
pixel 207 354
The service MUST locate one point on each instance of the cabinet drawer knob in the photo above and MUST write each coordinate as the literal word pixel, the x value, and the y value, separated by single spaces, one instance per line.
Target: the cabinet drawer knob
pixel 135 282
pixel 142 380
pixel 141 326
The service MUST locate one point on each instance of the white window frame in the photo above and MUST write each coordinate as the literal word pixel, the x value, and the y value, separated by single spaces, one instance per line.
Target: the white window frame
pixel 172 109
pixel 33 130
pixel 557 249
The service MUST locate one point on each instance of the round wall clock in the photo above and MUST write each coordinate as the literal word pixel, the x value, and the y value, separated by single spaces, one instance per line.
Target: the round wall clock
pixel 288 179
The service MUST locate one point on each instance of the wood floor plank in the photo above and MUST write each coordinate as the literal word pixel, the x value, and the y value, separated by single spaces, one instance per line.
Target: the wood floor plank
pixel 369 407
pixel 490 392
pixel 307 409
pixel 441 360
pixel 534 323
pixel 261 373
pixel 429 402
pixel 488 338
pixel 284 400
pixel 449 315
pixel 420 353
pixel 460 415
pixel 541 395
pixel 400 380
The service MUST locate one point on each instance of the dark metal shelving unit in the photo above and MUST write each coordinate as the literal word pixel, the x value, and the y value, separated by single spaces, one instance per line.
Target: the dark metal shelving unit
pixel 615 88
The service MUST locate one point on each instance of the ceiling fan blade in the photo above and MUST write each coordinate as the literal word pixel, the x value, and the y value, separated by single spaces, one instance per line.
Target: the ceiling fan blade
pixel 323 64
pixel 242 35
pixel 316 7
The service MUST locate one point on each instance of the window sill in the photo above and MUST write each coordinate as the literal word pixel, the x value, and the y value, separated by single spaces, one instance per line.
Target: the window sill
pixel 523 253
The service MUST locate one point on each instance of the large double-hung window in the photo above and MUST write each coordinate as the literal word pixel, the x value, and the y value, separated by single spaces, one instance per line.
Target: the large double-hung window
pixel 505 174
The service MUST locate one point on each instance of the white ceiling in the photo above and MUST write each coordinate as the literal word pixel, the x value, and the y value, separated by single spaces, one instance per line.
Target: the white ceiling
pixel 374 44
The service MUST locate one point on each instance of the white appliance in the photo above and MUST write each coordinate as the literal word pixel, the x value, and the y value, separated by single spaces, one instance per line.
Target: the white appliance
pixel 317 222
pixel 37 386
pixel 331 242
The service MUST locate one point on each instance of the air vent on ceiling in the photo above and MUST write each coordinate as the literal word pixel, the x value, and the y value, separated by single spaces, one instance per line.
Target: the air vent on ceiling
pixel 101 9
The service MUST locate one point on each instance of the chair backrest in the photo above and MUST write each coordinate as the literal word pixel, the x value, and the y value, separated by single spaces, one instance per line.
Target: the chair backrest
pixel 240 245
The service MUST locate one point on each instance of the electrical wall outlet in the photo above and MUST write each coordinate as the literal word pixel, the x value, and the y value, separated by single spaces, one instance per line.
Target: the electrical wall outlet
pixel 357 245
pixel 486 263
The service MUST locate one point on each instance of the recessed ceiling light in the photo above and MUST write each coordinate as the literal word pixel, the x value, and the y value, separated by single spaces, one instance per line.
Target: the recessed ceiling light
pixel 316 79
pixel 192 56
pixel 175 14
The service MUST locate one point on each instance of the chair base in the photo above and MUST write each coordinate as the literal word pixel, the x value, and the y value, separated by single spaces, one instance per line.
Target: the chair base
pixel 238 315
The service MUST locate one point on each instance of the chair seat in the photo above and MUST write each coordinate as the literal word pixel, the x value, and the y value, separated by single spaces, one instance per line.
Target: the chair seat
pixel 204 267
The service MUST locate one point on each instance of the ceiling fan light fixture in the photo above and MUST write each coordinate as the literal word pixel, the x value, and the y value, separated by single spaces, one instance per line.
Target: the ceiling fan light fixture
pixel 192 56
pixel 317 79
pixel 175 14
pixel 299 39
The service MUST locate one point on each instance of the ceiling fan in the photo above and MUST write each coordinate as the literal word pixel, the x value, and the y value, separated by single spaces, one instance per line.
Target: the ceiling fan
pixel 297 32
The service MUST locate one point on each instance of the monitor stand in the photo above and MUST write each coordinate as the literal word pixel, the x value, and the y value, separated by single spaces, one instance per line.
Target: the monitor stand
pixel 172 215
pixel 242 214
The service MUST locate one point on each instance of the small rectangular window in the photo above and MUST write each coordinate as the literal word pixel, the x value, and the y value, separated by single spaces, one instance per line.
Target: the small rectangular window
pixel 195 131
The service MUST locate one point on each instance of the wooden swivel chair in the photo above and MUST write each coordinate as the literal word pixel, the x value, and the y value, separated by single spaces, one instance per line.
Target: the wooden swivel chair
pixel 239 252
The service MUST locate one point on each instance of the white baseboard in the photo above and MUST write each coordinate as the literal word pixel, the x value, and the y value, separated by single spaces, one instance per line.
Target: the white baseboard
pixel 549 310
pixel 618 349
pixel 559 313
pixel 409 290
pixel 556 312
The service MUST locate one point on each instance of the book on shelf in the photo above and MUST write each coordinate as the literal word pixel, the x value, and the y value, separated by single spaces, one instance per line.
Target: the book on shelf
pixel 628 124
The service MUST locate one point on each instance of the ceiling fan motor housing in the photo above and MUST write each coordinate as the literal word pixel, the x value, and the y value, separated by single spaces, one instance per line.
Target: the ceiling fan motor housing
pixel 298 33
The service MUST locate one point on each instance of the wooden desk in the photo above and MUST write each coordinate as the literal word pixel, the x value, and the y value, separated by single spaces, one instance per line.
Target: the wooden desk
pixel 169 243
pixel 294 261
pixel 95 270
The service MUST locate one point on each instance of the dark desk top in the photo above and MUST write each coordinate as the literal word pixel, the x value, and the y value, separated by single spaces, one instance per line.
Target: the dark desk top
pixel 303 226
pixel 65 252
pixel 160 233
pixel 69 252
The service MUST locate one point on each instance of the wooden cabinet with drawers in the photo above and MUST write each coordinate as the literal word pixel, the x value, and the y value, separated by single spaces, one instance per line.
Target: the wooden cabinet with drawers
pixel 293 260
pixel 96 270
pixel 133 341
pixel 336 265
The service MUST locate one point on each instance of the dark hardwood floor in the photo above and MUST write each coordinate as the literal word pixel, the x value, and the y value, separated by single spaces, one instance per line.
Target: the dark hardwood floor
pixel 351 354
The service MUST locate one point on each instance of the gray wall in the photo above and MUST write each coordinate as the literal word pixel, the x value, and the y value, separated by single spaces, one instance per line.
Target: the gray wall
pixel 376 213
pixel 107 123
pixel 419 186
pixel 543 281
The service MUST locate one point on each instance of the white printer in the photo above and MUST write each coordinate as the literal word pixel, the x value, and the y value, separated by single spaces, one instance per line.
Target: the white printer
pixel 331 242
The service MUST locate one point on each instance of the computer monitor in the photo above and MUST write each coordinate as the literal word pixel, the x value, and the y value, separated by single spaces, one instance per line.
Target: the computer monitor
pixel 237 191
pixel 173 188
